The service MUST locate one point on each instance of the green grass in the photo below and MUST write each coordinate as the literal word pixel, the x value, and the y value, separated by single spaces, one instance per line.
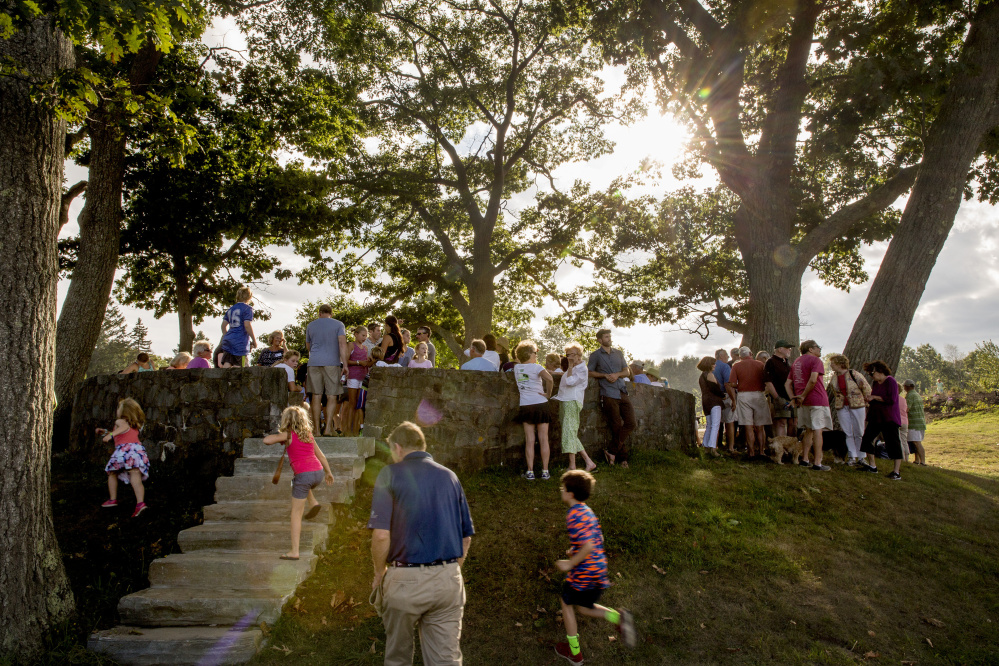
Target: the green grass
pixel 966 443
pixel 760 564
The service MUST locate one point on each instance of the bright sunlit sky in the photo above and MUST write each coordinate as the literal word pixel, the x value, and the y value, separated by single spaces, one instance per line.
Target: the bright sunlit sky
pixel 960 305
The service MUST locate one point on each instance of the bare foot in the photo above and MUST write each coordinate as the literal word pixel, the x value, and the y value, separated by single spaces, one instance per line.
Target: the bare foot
pixel 590 466
pixel 624 465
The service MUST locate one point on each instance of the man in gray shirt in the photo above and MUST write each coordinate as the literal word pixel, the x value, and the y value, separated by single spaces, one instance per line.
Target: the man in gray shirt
pixel 326 340
pixel 609 367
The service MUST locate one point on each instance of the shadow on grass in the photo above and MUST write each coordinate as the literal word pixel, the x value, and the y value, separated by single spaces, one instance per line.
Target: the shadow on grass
pixel 722 562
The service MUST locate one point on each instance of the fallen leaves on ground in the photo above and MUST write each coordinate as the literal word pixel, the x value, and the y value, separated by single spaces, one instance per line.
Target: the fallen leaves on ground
pixel 929 642
pixel 933 622
pixel 659 570
pixel 871 655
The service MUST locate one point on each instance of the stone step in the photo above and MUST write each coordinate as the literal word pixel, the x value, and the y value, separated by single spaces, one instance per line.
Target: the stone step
pixel 272 511
pixel 341 464
pixel 250 537
pixel 359 446
pixel 259 487
pixel 185 606
pixel 177 646
pixel 208 569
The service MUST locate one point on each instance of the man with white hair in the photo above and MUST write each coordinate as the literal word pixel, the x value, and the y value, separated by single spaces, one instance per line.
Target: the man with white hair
pixel 745 387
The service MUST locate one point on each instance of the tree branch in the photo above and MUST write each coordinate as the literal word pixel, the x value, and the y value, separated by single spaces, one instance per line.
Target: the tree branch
pixel 837 224
pixel 76 137
pixel 67 201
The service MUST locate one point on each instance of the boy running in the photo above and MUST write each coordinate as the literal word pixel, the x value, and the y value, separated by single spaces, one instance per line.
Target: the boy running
pixel 587 569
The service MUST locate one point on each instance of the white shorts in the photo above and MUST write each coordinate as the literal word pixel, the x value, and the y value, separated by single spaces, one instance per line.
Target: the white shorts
pixel 815 417
pixel 354 383
pixel 916 435
pixel 752 409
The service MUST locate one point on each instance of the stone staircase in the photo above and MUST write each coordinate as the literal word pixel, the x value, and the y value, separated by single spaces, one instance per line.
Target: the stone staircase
pixel 205 604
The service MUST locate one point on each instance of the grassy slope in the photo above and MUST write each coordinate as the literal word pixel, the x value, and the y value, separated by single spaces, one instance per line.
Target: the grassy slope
pixel 762 564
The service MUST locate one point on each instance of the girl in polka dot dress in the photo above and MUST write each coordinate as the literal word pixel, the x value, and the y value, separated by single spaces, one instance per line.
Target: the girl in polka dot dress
pixel 129 462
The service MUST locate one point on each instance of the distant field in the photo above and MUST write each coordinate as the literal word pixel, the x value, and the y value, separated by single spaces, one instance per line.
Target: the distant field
pixel 965 444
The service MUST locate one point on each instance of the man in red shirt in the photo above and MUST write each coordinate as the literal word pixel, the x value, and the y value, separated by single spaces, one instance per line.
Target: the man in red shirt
pixel 745 387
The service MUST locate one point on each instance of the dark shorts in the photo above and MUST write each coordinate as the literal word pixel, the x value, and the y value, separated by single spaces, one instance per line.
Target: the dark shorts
pixel 306 481
pixel 232 360
pixel 534 414
pixel 585 598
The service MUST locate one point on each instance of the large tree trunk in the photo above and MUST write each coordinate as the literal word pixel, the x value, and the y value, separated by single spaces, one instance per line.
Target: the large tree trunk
pixel 185 304
pixel 34 591
pixel 93 276
pixel 774 277
pixel 100 220
pixel 968 112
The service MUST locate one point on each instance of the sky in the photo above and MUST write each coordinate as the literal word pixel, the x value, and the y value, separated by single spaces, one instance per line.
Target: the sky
pixel 960 305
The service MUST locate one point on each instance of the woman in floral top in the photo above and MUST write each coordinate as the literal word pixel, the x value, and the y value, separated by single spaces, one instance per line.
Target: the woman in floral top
pixel 849 389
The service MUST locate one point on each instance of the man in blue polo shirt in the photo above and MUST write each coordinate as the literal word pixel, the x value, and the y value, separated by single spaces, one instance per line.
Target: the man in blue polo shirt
pixel 421 531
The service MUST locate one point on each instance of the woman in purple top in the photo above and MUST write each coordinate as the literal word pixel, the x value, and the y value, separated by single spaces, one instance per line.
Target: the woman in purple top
pixel 883 418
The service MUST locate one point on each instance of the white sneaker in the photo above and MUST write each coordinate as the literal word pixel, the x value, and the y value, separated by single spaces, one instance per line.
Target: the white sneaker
pixel 529 476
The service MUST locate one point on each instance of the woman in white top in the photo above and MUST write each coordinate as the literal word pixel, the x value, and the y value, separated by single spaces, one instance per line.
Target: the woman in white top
pixel 288 363
pixel 570 397
pixel 535 386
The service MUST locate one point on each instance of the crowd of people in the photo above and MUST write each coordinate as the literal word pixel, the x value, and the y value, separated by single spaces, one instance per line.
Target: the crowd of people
pixel 767 397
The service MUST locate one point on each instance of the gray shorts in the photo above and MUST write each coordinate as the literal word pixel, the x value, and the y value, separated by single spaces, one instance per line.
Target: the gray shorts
pixel 324 379
pixel 306 481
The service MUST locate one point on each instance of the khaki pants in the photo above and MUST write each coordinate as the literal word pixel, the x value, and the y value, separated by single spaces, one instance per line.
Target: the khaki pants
pixel 432 599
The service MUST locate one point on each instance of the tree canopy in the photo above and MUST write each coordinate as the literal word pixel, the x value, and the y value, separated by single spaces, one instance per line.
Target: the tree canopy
pixel 813 116
pixel 196 231
pixel 469 107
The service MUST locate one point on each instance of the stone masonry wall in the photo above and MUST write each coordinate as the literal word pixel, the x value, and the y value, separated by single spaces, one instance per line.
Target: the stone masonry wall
pixel 195 419
pixel 467 415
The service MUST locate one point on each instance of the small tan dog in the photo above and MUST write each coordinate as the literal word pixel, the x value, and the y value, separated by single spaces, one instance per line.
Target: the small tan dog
pixel 778 446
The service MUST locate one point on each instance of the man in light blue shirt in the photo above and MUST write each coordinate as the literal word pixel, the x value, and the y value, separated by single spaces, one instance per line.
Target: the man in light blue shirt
pixel 476 351
pixel 326 340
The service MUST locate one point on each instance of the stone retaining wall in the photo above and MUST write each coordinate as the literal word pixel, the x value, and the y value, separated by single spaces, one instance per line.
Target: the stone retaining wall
pixel 195 419
pixel 468 415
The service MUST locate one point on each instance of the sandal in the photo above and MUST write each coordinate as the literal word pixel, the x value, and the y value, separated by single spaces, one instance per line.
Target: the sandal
pixel 609 457
pixel 313 512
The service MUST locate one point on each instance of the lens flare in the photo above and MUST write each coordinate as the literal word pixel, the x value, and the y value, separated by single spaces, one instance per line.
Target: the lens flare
pixel 427 414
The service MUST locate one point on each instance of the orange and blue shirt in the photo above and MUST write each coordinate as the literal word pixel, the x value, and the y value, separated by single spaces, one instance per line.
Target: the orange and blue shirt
pixel 583 526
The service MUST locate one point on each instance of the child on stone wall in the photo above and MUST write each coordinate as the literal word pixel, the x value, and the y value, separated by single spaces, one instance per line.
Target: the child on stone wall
pixel 129 462
pixel 587 569
pixel 357 369
pixel 309 466
pixel 535 385
pixel 378 356
pixel 421 359
pixel 237 332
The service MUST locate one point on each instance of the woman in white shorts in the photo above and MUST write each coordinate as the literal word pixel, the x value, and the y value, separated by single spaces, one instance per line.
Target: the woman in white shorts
pixel 357 369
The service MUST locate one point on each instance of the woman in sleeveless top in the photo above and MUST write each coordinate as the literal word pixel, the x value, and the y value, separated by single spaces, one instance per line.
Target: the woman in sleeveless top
pixel 392 340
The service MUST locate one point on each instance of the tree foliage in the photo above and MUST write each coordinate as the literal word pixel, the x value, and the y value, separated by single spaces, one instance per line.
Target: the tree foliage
pixel 469 106
pixel 813 117
pixel 197 231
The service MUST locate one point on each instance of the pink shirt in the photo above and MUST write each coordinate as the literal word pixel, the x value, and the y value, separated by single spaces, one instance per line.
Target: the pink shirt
pixel 801 370
pixel 198 362
pixel 358 353
pixel 421 364
pixel 130 436
pixel 302 456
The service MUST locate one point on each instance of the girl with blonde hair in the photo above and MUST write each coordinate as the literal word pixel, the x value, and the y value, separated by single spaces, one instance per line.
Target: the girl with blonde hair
pixel 129 462
pixel 309 466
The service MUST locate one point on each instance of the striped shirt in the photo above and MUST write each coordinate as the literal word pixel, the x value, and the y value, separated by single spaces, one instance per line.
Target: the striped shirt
pixel 583 526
